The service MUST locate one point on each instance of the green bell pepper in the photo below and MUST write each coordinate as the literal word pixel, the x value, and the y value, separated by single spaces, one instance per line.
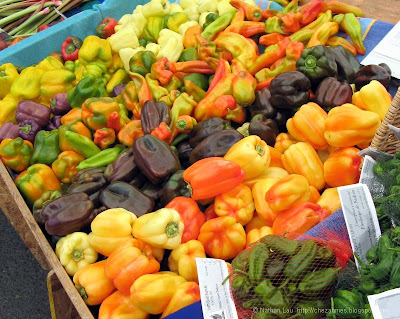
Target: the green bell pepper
pixel 153 27
pixel 81 144
pixel 174 20
pixel 189 54
pixel 46 148
pixel 102 158
pixel 141 62
pixel 198 79
pixel 88 87
pixel 346 304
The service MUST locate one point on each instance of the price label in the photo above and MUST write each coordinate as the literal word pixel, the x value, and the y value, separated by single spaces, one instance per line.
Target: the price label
pixel 385 305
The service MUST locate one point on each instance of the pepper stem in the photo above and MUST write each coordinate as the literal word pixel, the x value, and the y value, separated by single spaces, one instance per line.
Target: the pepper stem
pixel 260 149
pixel 70 48
pixel 82 292
pixel 310 62
pixel 3 73
pixel 172 229
pixel 26 129
pixel 181 125
pixel 77 255
pixel 190 189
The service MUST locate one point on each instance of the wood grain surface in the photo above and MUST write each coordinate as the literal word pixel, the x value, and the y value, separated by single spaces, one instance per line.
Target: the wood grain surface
pixel 384 10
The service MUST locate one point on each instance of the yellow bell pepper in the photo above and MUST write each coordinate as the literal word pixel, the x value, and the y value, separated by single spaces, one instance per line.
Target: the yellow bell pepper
pixel 95 49
pixel 110 229
pixel 260 189
pixel 330 200
pixel 8 73
pixel 302 159
pixel 27 85
pixel 255 223
pixel 119 306
pixel 183 259
pixel 54 82
pixel 283 141
pixel 163 228
pixel 224 6
pixel 92 283
pixel 256 234
pixel 237 203
pixel 287 192
pixel 153 47
pixel 116 64
pixel 156 8
pixel 251 154
pixel 373 97
pixel 185 295
pixel 8 106
pixel 271 172
pixel 153 292
pixel 124 38
pixel 75 252
pixel 308 125
pixel 172 50
pixel 50 63
pixel 348 125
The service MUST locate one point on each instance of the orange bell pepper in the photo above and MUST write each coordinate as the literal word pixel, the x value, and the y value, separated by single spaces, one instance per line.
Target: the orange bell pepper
pixel 237 203
pixel 343 167
pixel 256 223
pixel 128 262
pixel 130 132
pixel 153 292
pixel 288 192
pixel 92 283
pixel 163 132
pixel 104 137
pixel 330 200
pixel 119 306
pixel 283 142
pixel 185 295
pixel 212 176
pixel 256 234
pixel 183 259
pixel 96 111
pixel 314 194
pixel 264 211
pixel 16 153
pixel 191 216
pixel 189 40
pixel 299 219
pixel 74 115
pixel 276 156
pixel 210 212
pixel 65 165
pixel 302 159
pixel 223 237
pixel 276 173
pixel 347 125
pixel 308 125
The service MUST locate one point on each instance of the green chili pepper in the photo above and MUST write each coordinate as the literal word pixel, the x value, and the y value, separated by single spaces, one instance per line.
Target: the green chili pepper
pixel 102 159
pixel 395 273
pixel 381 271
pixel 218 25
pixel 367 286
pixel 252 303
pixel 46 148
pixel 258 257
pixel 298 264
pixel 81 144
pixel 240 261
pixel 281 244
pixel 346 304
pixel 372 254
pixel 316 282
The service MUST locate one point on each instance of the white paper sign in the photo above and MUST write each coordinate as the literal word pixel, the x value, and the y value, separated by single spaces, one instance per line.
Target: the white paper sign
pixel 367 176
pixel 386 304
pixel 361 219
pixel 387 51
pixel 216 298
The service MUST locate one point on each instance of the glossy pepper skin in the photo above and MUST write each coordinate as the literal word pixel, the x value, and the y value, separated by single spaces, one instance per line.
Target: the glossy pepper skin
pixel 36 180
pixel 68 214
pixel 81 144
pixel 29 110
pixel 162 229
pixel 331 93
pixel 110 229
pixel 16 153
pixel 352 27
pixel 347 302
pixel 175 187
pixel 185 295
pixel 218 25
pixel 103 158
pixel 8 73
pixel 46 148
pixel 8 108
pixel 204 129
pixel 373 97
pixel 254 160
pixel 191 216
pixel 347 64
pixel 104 137
pixel 223 237
pixel 141 62
pixel 212 176
pixel 308 125
pixel 366 74
pixel 27 85
pixel 183 259
pixel 264 211
pixel 118 305
pixel 347 125
pixel 265 128
pixel 70 48
pixel 330 200
pixel 132 259
pixel 88 87
pixel 96 111
pixel 65 165
pixel 106 28
pixel 346 161
pixel 323 33
pixel 153 292
pixel 130 132
pixel 256 234
pixel 95 49
pixel 92 283
pixel 8 130
pixel 76 127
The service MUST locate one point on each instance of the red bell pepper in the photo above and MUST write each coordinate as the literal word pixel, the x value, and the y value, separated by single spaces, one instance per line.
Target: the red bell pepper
pixel 106 28
pixel 70 48
pixel 191 216
pixel 212 176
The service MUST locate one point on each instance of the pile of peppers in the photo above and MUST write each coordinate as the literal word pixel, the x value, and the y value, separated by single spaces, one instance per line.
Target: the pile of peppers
pixel 183 128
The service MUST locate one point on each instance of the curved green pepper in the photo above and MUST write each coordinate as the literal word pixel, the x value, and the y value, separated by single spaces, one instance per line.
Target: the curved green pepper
pixel 102 158
pixel 218 25
pixel 258 257
pixel 299 263
pixel 81 144
pixel 46 148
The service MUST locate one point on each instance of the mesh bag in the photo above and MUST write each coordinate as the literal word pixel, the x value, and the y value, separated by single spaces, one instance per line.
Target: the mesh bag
pixel 281 277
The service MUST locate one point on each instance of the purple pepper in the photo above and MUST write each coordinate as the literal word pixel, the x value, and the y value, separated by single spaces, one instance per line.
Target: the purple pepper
pixel 28 110
pixel 118 90
pixel 28 130
pixel 60 104
pixel 8 130
pixel 54 123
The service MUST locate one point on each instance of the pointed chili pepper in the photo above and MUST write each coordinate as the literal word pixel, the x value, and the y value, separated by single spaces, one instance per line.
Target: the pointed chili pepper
pixel 340 7
pixel 193 90
pixel 190 67
pixel 114 122
pixel 185 123
pixel 238 17
pixel 303 35
pixel 209 53
pixel 323 33
pixel 269 13
pixel 271 39
pixel 246 28
pixel 263 84
pixel 162 132
pixel 254 45
pixel 310 11
pixel 291 7
pixel 335 41
pixel 324 17
pixel 70 48
pixel 291 21
pixel 160 72
pixel 243 88
pixel 222 69
pixel 143 92
pixel 352 27
pixel 237 67
pixel 270 55
pixel 274 24
pixel 252 13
